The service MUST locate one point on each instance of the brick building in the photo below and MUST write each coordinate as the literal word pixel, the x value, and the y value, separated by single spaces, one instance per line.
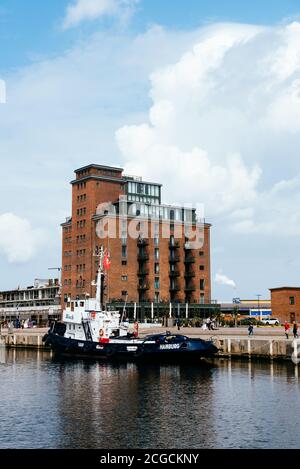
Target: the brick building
pixel 286 303
pixel 159 253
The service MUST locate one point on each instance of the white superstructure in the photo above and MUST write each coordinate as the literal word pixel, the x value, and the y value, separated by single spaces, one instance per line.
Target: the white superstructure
pixel 86 320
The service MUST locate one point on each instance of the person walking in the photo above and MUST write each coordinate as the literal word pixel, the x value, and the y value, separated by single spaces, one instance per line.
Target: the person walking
pixel 250 330
pixel 295 330
pixel 286 329
pixel 178 323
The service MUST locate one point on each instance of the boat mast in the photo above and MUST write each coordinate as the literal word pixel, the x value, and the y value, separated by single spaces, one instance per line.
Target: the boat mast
pixel 99 279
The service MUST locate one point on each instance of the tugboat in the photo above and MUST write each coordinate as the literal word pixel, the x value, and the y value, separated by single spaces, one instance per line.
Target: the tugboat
pixel 88 330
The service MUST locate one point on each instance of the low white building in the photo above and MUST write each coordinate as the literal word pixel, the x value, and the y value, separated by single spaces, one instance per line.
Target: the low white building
pixel 39 302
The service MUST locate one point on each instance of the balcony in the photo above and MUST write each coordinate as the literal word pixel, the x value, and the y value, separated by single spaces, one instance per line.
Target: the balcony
pixel 189 260
pixel 143 257
pixel 190 288
pixel 142 242
pixel 174 258
pixel 174 273
pixel 174 288
pixel 190 274
pixel 144 287
pixel 143 272
pixel 174 244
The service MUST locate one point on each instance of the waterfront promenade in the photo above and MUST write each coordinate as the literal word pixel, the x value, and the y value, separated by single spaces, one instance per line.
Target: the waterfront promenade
pixel 222 332
pixel 266 343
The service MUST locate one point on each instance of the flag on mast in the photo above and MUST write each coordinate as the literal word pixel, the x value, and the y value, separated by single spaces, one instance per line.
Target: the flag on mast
pixel 106 262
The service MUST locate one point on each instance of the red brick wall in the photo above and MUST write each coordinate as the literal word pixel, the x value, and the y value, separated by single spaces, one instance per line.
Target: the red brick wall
pixel 281 307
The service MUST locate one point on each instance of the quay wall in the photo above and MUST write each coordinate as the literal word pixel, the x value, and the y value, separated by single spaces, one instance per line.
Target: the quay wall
pixel 256 348
pixel 231 345
pixel 28 341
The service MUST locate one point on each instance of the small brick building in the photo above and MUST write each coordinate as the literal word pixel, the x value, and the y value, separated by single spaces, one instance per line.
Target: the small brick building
pixel 286 303
pixel 156 265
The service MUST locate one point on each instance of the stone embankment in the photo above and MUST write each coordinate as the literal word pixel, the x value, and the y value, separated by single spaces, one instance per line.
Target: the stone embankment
pixel 266 343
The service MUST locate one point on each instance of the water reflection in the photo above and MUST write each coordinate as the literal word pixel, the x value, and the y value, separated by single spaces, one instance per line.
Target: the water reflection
pixel 50 402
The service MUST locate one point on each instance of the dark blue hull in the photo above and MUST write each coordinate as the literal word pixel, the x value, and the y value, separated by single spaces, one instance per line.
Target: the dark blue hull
pixel 169 348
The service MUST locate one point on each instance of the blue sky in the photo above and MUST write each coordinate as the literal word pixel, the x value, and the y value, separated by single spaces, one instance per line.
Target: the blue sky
pixel 212 85
pixel 30 29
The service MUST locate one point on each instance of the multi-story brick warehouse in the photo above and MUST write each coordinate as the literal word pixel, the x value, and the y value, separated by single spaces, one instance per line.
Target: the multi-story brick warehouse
pixel 153 255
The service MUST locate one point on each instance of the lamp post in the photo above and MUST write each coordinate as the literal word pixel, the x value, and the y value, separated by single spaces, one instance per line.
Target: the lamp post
pixel 236 302
pixel 258 306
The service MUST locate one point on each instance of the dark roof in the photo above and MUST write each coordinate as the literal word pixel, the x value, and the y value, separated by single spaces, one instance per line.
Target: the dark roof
pixel 284 288
pixel 99 178
pixel 99 166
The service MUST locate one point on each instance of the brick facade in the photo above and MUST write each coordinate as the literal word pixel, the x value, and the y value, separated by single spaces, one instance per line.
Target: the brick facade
pixel 155 265
pixel 286 303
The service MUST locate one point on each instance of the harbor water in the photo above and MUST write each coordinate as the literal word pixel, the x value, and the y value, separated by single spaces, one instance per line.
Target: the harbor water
pixel 48 402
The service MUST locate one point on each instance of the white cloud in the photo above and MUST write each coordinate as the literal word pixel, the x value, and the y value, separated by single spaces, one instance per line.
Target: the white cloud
pixel 87 10
pixel 19 242
pixel 217 123
pixel 61 114
pixel 222 279
pixel 222 115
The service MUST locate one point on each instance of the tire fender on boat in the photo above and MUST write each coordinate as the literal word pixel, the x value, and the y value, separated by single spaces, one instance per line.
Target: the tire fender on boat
pixel 139 352
pixel 45 337
pixel 110 352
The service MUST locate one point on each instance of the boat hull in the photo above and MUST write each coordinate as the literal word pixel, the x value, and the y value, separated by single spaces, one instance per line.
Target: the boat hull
pixel 133 349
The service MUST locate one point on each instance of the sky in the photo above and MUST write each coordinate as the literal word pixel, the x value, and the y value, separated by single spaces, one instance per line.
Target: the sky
pixel 202 96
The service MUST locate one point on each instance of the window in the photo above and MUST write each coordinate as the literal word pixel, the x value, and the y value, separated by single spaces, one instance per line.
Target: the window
pixel 156 297
pixel 124 278
pixel 201 267
pixel 156 268
pixel 202 284
pixel 292 300
pixel 156 241
pixel 156 283
pixel 124 262
pixel 140 189
pixel 201 254
pixel 202 298
pixel 124 293
pixel 124 251
pixel 156 254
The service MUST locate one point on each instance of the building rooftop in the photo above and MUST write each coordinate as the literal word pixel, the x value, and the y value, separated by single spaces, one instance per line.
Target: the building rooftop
pixel 38 284
pixel 99 166
pixel 284 288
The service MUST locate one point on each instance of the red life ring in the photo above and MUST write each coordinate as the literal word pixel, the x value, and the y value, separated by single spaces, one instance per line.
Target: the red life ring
pixel 93 314
pixel 101 332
